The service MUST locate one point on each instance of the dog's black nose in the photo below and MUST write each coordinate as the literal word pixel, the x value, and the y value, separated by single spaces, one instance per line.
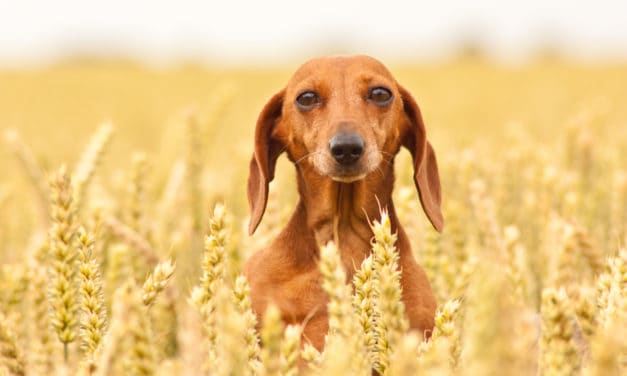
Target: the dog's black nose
pixel 346 147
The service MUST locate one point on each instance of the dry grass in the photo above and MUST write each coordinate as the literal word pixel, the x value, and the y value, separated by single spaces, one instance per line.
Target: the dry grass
pixel 530 272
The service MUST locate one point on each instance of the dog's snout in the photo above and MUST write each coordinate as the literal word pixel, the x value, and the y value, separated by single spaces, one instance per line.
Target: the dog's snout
pixel 346 148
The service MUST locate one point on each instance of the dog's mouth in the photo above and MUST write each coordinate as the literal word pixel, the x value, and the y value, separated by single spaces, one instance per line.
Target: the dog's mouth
pixel 347 178
pixel 351 173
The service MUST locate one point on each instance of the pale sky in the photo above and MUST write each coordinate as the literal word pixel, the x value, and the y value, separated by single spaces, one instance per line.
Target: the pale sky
pixel 236 31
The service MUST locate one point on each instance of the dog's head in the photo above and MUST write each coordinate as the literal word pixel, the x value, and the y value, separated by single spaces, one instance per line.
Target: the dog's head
pixel 342 116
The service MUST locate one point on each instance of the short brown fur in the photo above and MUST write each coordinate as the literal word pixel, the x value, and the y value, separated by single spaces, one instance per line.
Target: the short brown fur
pixel 335 205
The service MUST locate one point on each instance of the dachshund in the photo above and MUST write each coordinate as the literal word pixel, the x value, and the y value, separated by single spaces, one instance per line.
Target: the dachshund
pixel 341 121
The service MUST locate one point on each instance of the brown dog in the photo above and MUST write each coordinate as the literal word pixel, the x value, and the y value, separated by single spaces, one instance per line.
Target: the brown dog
pixel 341 121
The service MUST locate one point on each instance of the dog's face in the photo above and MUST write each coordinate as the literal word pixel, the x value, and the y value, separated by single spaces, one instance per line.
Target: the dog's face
pixel 341 115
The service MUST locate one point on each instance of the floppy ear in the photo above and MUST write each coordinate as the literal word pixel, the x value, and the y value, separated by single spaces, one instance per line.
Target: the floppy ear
pixel 264 158
pixel 426 176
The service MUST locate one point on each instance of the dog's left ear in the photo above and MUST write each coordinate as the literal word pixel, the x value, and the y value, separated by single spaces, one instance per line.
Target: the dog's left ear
pixel 263 161
pixel 426 176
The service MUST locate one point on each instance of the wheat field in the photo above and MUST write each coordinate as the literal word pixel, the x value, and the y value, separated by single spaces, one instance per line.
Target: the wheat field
pixel 123 215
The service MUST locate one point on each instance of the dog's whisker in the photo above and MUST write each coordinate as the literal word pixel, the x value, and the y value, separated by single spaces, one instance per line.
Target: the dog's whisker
pixel 386 153
pixel 389 162
pixel 306 156
pixel 381 172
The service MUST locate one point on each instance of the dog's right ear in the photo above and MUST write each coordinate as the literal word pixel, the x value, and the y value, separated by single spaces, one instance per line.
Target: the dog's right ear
pixel 426 175
pixel 263 161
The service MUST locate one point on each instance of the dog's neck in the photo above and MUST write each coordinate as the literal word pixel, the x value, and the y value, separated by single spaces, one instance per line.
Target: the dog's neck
pixel 341 212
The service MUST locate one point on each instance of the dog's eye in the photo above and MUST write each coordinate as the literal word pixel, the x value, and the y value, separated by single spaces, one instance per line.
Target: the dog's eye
pixel 308 100
pixel 380 96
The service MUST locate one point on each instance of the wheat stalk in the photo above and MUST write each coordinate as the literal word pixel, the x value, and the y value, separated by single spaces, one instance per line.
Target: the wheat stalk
pixel 364 305
pixel 271 334
pixel 93 318
pixel 10 357
pixel 559 355
pixel 157 281
pixel 89 161
pixel 63 257
pixel 390 320
pixel 213 273
pixel 241 292
pixel 343 327
pixel 290 350
pixel 41 355
pixel 30 165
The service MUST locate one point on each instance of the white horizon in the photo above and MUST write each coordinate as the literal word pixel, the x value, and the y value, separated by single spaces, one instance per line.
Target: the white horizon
pixel 275 31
